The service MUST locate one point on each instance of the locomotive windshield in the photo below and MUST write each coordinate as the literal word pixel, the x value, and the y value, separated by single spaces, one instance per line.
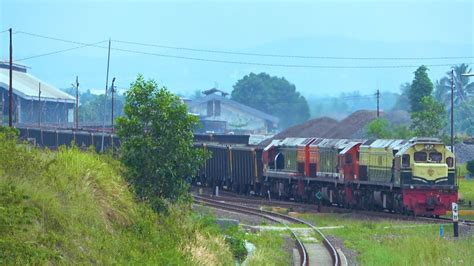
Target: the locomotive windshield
pixel 420 157
pixel 436 157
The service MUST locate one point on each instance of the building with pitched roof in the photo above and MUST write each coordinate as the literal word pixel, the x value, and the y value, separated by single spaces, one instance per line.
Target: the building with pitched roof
pixel 34 101
pixel 222 115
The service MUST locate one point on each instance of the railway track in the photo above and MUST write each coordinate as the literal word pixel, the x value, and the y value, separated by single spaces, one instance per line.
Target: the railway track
pixel 253 201
pixel 281 218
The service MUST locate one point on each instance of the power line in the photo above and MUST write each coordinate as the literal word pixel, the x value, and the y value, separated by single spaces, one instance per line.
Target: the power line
pixel 4 31
pixel 59 51
pixel 241 62
pixel 290 56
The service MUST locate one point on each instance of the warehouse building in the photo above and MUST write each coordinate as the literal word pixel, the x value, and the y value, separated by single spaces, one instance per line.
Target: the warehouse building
pixel 34 101
pixel 219 114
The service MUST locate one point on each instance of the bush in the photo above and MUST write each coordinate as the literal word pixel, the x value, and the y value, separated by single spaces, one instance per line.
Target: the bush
pixel 73 207
pixel 470 166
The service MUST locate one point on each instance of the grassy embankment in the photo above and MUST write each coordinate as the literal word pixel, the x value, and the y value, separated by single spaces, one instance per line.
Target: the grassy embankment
pixel 389 242
pixel 73 207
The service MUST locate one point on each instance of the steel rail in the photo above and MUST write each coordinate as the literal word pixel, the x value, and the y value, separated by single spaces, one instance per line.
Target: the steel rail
pixel 246 210
pixel 331 249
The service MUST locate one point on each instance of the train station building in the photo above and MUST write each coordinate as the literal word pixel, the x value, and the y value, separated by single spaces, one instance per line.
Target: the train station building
pixel 34 101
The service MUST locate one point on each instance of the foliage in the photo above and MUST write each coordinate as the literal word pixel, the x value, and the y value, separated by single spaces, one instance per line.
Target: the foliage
pixel 390 242
pixel 272 95
pixel 420 88
pixel 463 98
pixel 381 128
pixel 403 101
pixel 270 248
pixel 430 120
pixel 470 166
pixel 91 106
pixel 463 89
pixel 73 207
pixel 157 143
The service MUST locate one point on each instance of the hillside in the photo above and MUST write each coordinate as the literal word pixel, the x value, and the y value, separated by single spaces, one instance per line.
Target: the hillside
pixel 74 207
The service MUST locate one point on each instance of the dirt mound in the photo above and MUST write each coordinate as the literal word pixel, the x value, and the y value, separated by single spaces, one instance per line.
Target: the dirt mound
pixel 317 127
pixel 351 126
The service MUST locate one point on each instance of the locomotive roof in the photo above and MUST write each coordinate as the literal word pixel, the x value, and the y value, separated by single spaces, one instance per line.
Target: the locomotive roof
pixel 349 146
pixel 394 144
pixel 293 142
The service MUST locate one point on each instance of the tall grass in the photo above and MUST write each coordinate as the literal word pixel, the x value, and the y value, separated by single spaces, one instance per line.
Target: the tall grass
pixel 74 207
pixel 390 242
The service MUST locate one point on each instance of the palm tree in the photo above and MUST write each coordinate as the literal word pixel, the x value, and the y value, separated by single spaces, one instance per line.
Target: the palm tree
pixel 462 89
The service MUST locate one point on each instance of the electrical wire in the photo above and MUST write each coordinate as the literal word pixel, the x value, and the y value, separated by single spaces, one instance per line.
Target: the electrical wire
pixel 291 56
pixel 240 62
pixel 59 51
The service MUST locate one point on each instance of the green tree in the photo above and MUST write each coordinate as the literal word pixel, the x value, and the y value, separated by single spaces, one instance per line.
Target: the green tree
pixel 463 98
pixel 379 129
pixel 430 121
pixel 156 137
pixel 420 88
pixel 403 101
pixel 272 95
pixel 463 89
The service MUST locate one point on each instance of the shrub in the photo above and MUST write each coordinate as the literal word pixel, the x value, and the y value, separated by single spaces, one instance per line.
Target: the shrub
pixel 470 166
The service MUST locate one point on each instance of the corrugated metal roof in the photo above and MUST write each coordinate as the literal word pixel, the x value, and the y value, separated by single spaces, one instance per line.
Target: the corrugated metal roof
pixel 26 86
pixel 237 105
pixel 349 146
pixel 292 142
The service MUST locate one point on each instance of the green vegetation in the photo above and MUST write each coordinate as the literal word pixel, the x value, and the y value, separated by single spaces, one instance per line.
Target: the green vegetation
pixel 461 170
pixel 466 190
pixel 429 121
pixel 91 108
pixel 388 242
pixel 157 144
pixel 470 166
pixel 270 248
pixel 272 95
pixel 463 100
pixel 420 87
pixel 74 207
pixel 381 128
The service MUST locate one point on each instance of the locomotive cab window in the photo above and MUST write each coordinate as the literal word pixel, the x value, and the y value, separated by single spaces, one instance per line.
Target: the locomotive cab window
pixel 450 161
pixel 405 161
pixel 436 157
pixel 420 157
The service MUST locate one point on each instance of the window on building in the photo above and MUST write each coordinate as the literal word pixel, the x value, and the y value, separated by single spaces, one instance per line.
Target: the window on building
pixel 217 108
pixel 436 157
pixel 210 108
pixel 380 160
pixel 405 161
pixel 420 157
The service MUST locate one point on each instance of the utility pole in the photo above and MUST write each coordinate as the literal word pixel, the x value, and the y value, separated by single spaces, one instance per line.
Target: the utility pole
pixel 77 103
pixel 105 99
pixel 112 90
pixel 452 110
pixel 10 90
pixel 378 102
pixel 39 105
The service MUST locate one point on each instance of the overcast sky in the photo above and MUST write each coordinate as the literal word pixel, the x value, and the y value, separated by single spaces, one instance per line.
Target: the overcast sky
pixel 350 29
